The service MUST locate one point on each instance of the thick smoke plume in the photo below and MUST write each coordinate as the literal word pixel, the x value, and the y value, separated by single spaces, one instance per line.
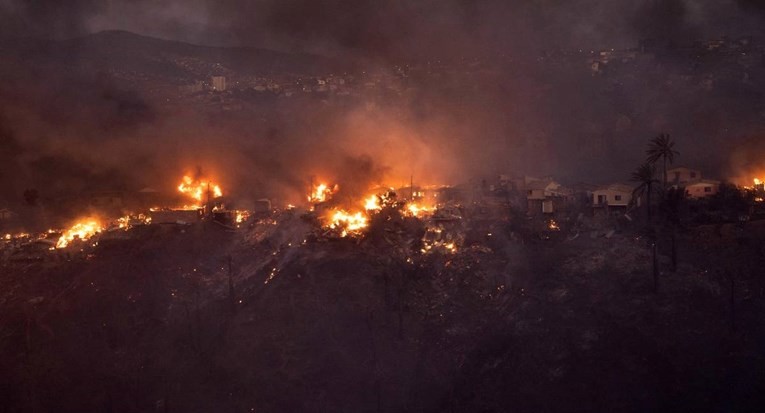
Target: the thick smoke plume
pixel 71 131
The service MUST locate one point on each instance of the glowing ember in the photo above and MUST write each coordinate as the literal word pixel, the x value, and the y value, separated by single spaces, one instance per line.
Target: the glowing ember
pixel 436 239
pixel 180 208
pixel 321 193
pixel 123 222
pixel 82 230
pixel 552 225
pixel 129 221
pixel 197 189
pixel 347 223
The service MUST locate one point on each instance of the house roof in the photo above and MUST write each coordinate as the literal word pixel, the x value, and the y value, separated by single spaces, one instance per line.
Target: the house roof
pixel 541 184
pixel 682 168
pixel 703 182
pixel 618 187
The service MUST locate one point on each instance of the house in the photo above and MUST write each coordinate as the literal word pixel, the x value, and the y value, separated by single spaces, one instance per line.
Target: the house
pixel 547 196
pixel 6 213
pixel 702 188
pixel 614 195
pixel 681 175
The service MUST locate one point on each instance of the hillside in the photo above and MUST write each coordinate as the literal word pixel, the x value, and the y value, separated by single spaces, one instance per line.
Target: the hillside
pixel 131 57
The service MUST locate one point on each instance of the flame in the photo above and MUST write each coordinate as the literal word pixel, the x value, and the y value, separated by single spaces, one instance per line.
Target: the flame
pixel 414 209
pixel 757 182
pixel 128 221
pixel 553 225
pixel 197 189
pixel 82 230
pixel 123 222
pixel 180 208
pixel 348 223
pixel 321 193
pixel 241 216
pixel 372 203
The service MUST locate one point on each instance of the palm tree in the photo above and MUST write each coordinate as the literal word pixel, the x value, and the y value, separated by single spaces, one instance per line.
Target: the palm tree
pixel 673 206
pixel 645 177
pixel 662 147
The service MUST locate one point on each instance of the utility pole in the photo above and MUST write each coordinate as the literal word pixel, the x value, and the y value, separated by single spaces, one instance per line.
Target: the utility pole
pixel 209 205
pixel 655 270
pixel 310 189
pixel 411 187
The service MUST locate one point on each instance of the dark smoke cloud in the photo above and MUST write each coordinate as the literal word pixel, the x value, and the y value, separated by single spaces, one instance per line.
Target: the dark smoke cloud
pixel 72 133
pixel 393 28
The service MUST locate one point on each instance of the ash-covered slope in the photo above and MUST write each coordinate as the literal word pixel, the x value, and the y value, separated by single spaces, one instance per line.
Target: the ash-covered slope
pixel 133 57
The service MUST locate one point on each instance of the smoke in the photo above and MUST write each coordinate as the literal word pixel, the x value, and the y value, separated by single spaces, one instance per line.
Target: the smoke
pixel 391 29
pixel 78 129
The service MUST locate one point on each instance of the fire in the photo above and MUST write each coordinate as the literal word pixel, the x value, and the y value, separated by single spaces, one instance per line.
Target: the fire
pixel 553 225
pixel 347 223
pixel 82 230
pixel 372 203
pixel 197 189
pixel 180 208
pixel 241 216
pixel 129 221
pixel 123 222
pixel 416 210
pixel 321 193
pixel 757 182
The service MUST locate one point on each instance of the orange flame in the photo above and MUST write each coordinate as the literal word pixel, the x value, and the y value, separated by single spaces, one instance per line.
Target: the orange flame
pixel 82 230
pixel 347 223
pixel 197 189
pixel 372 203
pixel 321 193
pixel 416 210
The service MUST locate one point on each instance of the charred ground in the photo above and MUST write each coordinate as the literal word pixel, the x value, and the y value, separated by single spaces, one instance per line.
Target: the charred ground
pixel 270 318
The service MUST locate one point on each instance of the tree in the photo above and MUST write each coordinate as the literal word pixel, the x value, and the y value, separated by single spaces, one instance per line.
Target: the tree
pixel 673 207
pixel 645 177
pixel 662 147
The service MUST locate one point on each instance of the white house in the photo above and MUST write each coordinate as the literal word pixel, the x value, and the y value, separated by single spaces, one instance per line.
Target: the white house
pixel 702 188
pixel 614 195
pixel 547 196
pixel 681 175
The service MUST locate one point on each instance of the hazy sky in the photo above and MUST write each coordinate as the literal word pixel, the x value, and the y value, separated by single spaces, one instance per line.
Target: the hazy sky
pixel 390 27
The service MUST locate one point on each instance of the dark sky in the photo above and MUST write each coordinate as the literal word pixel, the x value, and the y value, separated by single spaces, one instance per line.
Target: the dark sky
pixel 390 28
